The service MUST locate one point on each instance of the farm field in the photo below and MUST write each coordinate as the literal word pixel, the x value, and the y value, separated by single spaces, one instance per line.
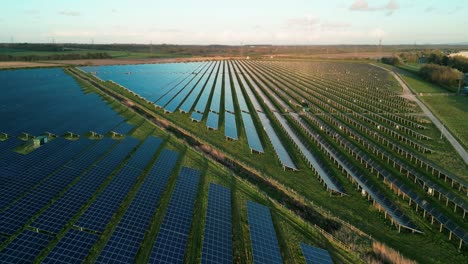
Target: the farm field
pixel 328 147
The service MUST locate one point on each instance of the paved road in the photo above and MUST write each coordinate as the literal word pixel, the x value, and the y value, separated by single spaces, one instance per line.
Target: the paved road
pixel 407 93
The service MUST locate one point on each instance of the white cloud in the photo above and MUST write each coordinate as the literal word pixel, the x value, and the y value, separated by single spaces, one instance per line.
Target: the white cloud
pixel 363 5
pixel 69 13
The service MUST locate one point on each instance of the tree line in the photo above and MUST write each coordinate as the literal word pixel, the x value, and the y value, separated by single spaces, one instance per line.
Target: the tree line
pixel 439 68
pixel 68 56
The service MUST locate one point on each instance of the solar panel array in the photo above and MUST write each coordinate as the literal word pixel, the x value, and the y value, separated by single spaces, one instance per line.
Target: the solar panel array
pixel 182 94
pixel 106 204
pixel 216 97
pixel 144 153
pixel 230 127
pixel 64 208
pixel 217 239
pixel 123 129
pixel 315 255
pixel 251 132
pixel 213 120
pixel 170 101
pixel 174 231
pixel 265 248
pixel 240 96
pixel 130 231
pixel 72 248
pixel 280 150
pixel 65 114
pixel 25 248
pixel 196 116
pixel 228 98
pixel 205 95
pixel 15 216
pixel 190 100
pixel 23 182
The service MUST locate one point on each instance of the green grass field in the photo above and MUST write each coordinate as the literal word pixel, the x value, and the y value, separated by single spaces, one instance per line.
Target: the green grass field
pixel 114 54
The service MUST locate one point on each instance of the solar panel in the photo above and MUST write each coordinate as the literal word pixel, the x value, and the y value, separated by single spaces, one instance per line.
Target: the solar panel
pixel 64 208
pixel 172 106
pixel 196 116
pixel 251 132
pixel 123 128
pixel 174 231
pixel 315 255
pixel 212 121
pixel 15 216
pixel 280 150
pixel 144 153
pixel 25 181
pixel 265 248
pixel 130 231
pixel 97 216
pixel 203 100
pixel 253 99
pixel 217 239
pixel 230 127
pixel 240 97
pixel 327 178
pixel 188 103
pixel 228 99
pixel 72 248
pixel 25 248
pixel 216 97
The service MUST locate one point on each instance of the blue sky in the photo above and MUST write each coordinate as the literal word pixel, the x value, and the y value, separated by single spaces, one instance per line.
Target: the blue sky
pixel 235 22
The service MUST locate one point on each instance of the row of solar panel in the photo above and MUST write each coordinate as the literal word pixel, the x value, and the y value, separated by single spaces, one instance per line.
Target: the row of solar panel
pixel 67 110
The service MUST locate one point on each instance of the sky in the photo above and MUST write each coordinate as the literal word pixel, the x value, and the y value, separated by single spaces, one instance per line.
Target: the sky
pixel 277 22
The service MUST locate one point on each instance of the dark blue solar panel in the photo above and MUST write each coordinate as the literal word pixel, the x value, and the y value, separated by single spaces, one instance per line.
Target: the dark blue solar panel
pixel 173 235
pixel 280 150
pixel 315 255
pixel 203 100
pixel 103 208
pixel 216 97
pixel 123 128
pixel 240 97
pixel 63 209
pixel 230 127
pixel 130 231
pixel 72 248
pixel 212 121
pixel 228 99
pixel 217 239
pixel 164 100
pixel 197 116
pixel 16 186
pixel 251 133
pixel 172 106
pixel 144 153
pixel 15 216
pixel 265 248
pixel 63 106
pixel 98 215
pixel 25 248
pixel 188 103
